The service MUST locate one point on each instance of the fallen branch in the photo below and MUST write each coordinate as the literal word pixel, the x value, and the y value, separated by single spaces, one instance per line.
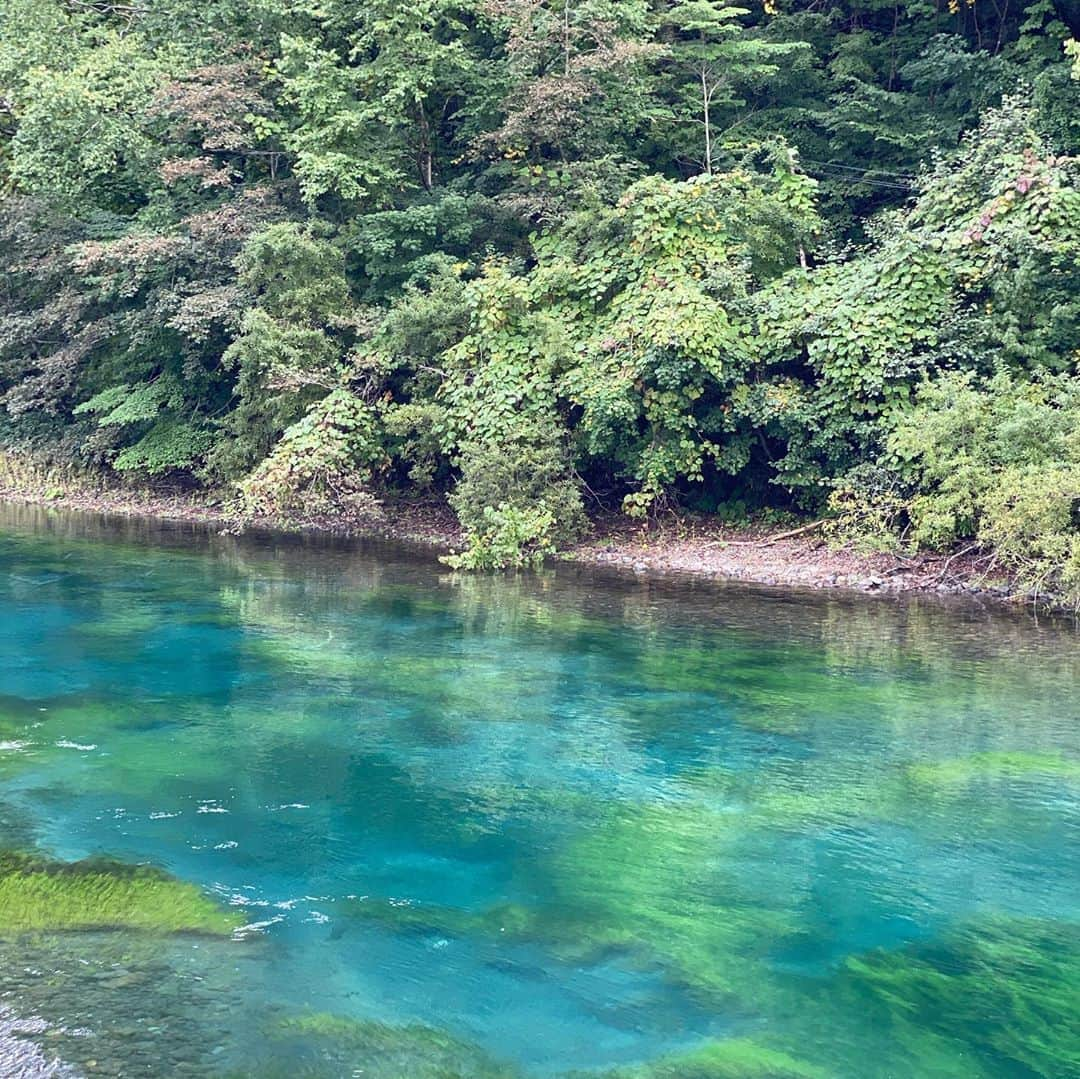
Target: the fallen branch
pixel 956 554
pixel 769 541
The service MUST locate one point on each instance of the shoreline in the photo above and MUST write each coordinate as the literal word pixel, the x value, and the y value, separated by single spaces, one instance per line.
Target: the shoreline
pixel 681 545
pixel 705 549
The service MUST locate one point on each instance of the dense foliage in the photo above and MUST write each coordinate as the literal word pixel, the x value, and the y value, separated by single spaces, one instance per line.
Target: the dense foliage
pixel 535 255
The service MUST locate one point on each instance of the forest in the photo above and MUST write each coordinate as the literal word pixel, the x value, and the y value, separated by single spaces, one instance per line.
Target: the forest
pixel 546 259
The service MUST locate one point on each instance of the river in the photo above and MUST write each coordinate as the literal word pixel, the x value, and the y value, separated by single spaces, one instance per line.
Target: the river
pixel 444 825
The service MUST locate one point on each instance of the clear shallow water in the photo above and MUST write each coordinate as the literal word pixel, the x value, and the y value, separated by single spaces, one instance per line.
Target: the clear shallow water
pixel 532 826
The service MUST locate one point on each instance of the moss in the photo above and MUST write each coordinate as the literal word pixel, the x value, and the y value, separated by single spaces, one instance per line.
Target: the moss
pixel 999 765
pixel 39 894
pixel 344 1045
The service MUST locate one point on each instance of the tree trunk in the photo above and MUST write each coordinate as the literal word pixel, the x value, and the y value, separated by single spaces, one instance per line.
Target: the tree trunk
pixel 705 102
pixel 566 37
pixel 424 155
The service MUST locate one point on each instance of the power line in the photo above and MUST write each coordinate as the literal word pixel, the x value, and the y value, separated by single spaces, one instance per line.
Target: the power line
pixel 868 183
pixel 855 168
pixel 862 178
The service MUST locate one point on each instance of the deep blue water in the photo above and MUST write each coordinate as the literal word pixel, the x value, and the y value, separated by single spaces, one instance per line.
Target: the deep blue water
pixel 533 825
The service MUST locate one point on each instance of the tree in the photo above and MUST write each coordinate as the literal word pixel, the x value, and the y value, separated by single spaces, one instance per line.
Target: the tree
pixel 376 93
pixel 509 252
pixel 712 60
pixel 571 69
pixel 292 342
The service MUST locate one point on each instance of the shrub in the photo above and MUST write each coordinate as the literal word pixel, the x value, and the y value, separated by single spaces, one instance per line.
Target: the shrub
pixel 1030 519
pixel 994 461
pixel 517 501
pixel 322 463
pixel 868 508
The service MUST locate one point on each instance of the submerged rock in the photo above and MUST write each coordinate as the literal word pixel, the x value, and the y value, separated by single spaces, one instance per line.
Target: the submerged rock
pixel 23 1058
pixel 124 1004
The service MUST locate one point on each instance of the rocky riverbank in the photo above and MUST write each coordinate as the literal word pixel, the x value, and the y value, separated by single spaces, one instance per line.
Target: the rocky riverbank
pixel 678 544
pixel 798 558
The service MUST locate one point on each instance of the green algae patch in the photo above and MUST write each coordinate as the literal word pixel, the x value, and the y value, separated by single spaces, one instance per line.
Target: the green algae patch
pixel 656 886
pixel 661 884
pixel 997 997
pixel 39 894
pixel 796 806
pixel 121 624
pixel 998 765
pixel 736 1058
pixel 511 920
pixel 344 1045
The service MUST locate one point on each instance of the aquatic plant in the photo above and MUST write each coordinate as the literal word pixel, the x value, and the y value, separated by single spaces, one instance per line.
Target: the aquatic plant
pixel 734 1058
pixel 797 806
pixel 995 765
pixel 37 893
pixel 662 882
pixel 997 997
pixel 655 884
pixel 518 921
pixel 381 1050
pixel 610 841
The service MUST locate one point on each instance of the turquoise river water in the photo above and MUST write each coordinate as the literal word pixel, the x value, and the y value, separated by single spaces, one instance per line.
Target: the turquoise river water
pixel 460 826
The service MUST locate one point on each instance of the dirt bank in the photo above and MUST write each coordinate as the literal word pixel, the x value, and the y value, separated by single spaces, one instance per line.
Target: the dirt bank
pixel 799 557
pixel 686 544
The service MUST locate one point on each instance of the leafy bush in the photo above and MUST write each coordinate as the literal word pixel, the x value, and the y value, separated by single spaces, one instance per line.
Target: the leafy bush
pixel 868 508
pixel 965 436
pixel 654 294
pixel 323 463
pixel 983 268
pixel 1031 520
pixel 517 501
pixel 994 461
pixel 168 445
